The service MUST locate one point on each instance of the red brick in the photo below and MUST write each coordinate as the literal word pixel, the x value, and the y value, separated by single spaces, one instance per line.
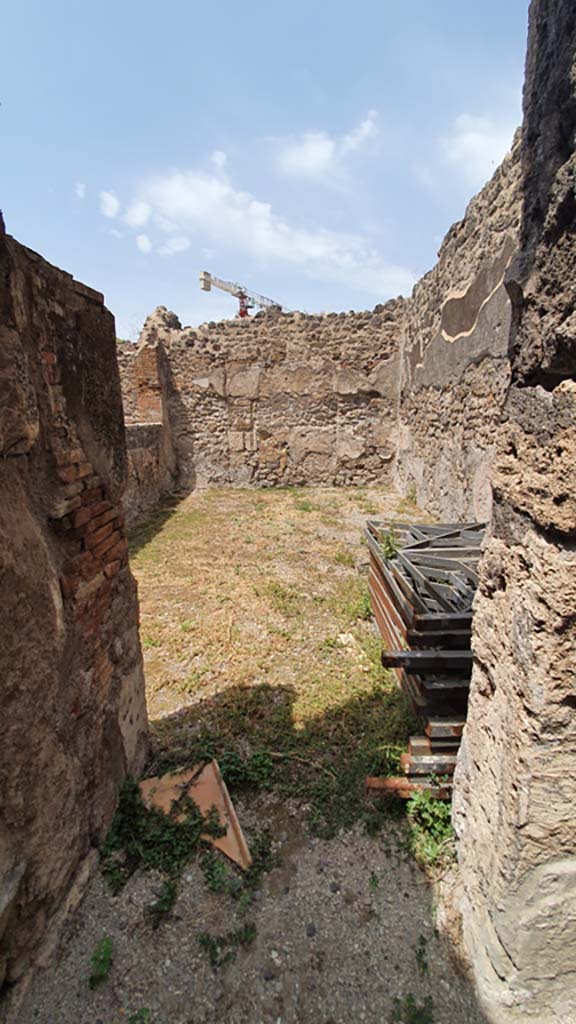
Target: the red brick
pixel 94 494
pixel 112 569
pixel 88 513
pixel 83 564
pixel 119 550
pixel 67 474
pixel 110 542
pixel 85 469
pixel 102 519
pixel 92 540
pixel 83 516
pixel 49 357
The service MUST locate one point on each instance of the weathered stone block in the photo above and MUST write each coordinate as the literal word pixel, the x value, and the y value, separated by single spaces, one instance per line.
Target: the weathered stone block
pixel 236 441
pixel 349 446
pixel 537 455
pixel 243 383
pixel 304 441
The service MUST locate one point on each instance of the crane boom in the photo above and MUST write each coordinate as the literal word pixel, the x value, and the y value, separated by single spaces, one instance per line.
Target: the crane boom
pixel 246 298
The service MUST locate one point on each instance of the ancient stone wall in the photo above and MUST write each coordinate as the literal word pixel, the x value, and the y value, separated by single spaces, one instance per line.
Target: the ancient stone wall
pixel 415 388
pixel 152 467
pixel 72 710
pixel 455 366
pixel 276 399
pixel 515 783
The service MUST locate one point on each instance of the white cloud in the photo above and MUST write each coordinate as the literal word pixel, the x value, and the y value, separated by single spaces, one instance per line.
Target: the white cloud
pixel 219 159
pixel 308 157
pixel 367 129
pixel 316 154
pixel 167 226
pixel 109 204
pixel 137 214
pixel 476 146
pixel 80 190
pixel 174 245
pixel 144 244
pixel 116 233
pixel 210 205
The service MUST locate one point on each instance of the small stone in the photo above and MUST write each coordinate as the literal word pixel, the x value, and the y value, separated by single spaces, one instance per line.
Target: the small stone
pixel 310 930
pixel 269 974
pixel 334 886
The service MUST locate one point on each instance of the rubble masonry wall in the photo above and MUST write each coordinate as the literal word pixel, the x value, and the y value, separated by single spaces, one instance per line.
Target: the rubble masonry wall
pixel 276 399
pixel 72 710
pixel 454 362
pixel 515 789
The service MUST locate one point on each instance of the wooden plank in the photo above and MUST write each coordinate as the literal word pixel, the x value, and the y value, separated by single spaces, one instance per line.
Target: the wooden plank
pixel 381 593
pixel 428 764
pixel 440 622
pixel 459 638
pixel 440 683
pixel 445 727
pixel 440 593
pixel 428 661
pixel 404 788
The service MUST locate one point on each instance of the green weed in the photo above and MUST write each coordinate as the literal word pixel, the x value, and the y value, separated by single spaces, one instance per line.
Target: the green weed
pixel 100 962
pixel 408 1011
pixel 352 602
pixel 284 599
pixel 140 1017
pixel 216 876
pixel 389 543
pixel 344 557
pixel 162 906
pixel 221 949
pixel 245 772
pixel 242 888
pixel 329 644
pixel 431 834
pixel 149 838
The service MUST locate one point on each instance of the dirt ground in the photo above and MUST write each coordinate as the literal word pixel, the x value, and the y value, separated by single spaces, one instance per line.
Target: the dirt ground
pixel 259 650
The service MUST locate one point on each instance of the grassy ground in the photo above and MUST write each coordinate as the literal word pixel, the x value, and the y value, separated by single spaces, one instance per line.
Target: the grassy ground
pixel 258 643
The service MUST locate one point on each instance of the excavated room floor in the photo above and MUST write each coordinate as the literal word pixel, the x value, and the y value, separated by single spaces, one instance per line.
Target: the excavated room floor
pixel 260 651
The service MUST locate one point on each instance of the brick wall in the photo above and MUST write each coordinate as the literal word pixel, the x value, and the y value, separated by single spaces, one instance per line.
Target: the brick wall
pixel 72 709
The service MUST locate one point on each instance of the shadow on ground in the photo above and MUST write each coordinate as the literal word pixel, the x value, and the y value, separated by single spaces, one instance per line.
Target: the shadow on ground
pixel 323 760
pixel 145 528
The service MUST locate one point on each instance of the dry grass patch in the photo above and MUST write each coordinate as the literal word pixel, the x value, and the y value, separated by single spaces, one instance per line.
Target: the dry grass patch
pixel 258 643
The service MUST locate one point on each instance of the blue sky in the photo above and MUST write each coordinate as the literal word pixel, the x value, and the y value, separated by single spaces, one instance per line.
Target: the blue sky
pixel 316 153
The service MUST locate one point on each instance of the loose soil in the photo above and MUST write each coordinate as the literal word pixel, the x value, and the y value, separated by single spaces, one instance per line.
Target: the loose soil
pixel 260 650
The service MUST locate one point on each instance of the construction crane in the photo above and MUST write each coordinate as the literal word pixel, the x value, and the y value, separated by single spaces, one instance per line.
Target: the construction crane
pixel 246 298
